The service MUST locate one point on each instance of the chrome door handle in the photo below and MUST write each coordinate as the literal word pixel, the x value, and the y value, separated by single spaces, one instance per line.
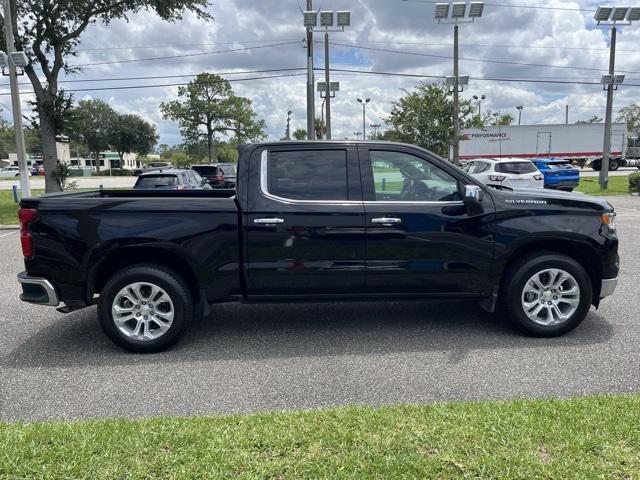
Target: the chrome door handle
pixel 387 221
pixel 263 221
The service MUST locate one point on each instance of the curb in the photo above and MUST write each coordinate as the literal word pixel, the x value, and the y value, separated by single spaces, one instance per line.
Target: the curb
pixel 9 227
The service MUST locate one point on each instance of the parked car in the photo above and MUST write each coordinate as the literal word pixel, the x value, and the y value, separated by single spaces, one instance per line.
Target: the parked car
pixel 317 221
pixel 170 179
pixel 558 173
pixel 10 172
pixel 505 172
pixel 219 175
pixel 150 167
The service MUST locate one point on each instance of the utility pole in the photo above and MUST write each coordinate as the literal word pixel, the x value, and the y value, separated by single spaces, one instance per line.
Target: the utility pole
pixel 456 104
pixel 288 132
pixel 606 150
pixel 310 82
pixel 327 92
pixel 25 189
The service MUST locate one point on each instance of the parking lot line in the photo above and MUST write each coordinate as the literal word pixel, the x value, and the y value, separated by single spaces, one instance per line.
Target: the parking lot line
pixel 7 234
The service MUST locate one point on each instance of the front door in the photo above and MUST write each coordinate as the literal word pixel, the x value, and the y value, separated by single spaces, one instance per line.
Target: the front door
pixel 421 238
pixel 305 222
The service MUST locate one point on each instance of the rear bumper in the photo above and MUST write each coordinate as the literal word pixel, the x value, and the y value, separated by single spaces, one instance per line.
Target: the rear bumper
pixel 38 290
pixel 608 287
pixel 562 183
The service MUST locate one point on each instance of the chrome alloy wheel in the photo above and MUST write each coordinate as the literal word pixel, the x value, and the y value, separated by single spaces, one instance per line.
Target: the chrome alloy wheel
pixel 142 311
pixel 550 297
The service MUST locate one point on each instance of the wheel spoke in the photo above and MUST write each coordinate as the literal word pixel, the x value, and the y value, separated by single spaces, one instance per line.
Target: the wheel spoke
pixel 550 297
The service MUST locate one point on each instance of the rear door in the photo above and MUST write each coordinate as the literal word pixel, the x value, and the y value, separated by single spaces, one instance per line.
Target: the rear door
pixel 421 238
pixel 304 224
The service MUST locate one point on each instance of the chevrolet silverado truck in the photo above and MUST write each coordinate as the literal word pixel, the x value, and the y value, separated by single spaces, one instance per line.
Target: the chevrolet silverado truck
pixel 316 221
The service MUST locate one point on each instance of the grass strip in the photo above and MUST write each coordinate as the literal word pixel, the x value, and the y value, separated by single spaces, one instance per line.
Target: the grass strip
pixel 595 437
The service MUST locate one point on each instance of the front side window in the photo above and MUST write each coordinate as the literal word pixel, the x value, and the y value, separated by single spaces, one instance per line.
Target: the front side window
pixel 404 177
pixel 308 174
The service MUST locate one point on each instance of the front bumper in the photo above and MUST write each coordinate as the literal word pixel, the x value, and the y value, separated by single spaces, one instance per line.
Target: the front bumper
pixel 608 287
pixel 38 290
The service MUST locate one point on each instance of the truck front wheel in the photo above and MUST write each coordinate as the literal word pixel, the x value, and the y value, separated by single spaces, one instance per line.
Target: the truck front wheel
pixel 547 294
pixel 145 308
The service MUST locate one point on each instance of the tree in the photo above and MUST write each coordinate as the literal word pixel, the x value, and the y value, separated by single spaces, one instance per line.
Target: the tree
pixel 594 119
pixel 207 107
pixel 319 127
pixel 631 115
pixel 180 159
pixel 92 123
pixel 300 134
pixel 130 133
pixel 504 119
pixel 49 32
pixel 424 117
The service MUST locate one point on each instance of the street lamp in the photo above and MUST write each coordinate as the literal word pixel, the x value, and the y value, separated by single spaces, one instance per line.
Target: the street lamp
pixel 364 123
pixel 519 108
pixel 612 17
pixel 375 127
pixel 328 19
pixel 479 100
pixel 457 11
pixel 357 134
pixel 14 60
pixel 322 88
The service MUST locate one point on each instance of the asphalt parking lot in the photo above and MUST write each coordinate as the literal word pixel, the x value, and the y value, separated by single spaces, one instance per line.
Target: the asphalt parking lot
pixel 271 357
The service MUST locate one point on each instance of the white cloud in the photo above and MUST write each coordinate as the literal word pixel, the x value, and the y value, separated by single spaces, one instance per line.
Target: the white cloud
pixel 503 34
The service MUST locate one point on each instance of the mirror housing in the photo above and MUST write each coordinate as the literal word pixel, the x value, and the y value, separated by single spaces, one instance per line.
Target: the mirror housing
pixel 473 194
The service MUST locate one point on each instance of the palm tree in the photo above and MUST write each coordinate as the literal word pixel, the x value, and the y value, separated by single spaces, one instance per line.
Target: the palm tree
pixel 300 134
pixel 505 119
pixel 320 128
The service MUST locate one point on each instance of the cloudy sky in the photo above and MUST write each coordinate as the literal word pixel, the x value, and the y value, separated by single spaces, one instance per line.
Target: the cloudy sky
pixel 557 39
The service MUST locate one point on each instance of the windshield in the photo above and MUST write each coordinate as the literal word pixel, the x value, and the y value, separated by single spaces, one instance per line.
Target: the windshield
pixel 155 181
pixel 517 168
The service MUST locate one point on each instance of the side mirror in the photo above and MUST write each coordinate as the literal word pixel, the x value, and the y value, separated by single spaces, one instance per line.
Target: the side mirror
pixel 473 194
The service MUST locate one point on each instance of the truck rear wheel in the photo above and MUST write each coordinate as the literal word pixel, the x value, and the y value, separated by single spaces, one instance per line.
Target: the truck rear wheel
pixel 547 294
pixel 145 308
pixel 614 165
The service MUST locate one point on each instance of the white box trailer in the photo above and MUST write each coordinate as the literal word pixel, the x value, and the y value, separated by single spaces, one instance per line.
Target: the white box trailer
pixel 573 141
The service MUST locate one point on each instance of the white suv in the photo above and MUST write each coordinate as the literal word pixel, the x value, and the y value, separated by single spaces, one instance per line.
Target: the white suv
pixel 10 172
pixel 505 172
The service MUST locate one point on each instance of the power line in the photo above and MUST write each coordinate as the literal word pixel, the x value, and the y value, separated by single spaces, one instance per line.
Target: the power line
pixel 184 55
pixel 131 87
pixel 155 77
pixel 185 45
pixel 482 60
pixel 510 5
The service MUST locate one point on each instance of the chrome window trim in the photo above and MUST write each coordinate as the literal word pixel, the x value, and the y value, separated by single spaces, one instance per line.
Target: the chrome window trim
pixel 264 165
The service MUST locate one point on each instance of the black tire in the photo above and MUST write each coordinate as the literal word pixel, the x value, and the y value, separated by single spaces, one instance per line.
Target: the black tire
pixel 519 273
pixel 164 278
pixel 614 165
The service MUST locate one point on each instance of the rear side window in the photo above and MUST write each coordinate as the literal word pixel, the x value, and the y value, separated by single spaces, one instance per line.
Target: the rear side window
pixel 308 174
pixel 207 171
pixel 155 181
pixel 515 167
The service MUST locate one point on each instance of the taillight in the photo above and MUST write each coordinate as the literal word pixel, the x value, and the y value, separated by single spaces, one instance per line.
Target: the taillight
pixel 26 216
pixel 497 178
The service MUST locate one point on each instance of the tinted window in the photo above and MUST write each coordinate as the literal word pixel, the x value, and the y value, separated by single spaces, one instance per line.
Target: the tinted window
pixel 207 171
pixel 308 174
pixel 559 165
pixel 154 181
pixel 404 177
pixel 515 167
pixel 228 168
pixel 481 167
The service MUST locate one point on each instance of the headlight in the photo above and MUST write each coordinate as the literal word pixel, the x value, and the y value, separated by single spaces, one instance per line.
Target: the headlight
pixel 609 219
pixel 538 177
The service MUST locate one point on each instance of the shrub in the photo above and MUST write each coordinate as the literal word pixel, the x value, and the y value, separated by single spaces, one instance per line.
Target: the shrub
pixel 62 174
pixel 118 172
pixel 634 183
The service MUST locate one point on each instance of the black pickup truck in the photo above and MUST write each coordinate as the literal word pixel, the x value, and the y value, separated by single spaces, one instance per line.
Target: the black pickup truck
pixel 318 221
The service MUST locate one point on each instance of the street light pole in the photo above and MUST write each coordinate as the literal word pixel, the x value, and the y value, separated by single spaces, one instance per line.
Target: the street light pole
pixel 606 150
pixel 327 94
pixel 456 104
pixel 25 188
pixel 375 127
pixel 364 121
pixel 310 81
pixel 519 108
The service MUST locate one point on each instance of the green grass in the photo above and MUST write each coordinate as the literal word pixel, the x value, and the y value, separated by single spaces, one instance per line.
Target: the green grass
pixel 617 186
pixel 9 209
pixel 594 437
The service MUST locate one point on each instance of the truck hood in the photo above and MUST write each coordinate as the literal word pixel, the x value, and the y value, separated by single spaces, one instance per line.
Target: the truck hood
pixel 541 197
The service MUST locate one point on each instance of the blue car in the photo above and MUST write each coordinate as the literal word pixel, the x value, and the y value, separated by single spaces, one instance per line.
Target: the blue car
pixel 558 173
